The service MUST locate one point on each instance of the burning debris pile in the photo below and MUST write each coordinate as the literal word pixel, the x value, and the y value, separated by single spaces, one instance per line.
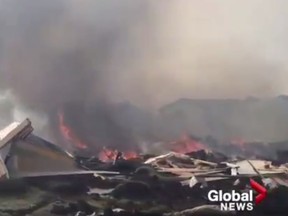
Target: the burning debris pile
pixel 39 178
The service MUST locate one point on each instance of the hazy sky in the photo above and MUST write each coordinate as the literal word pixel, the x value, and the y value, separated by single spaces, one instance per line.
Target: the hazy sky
pixel 148 52
pixel 217 49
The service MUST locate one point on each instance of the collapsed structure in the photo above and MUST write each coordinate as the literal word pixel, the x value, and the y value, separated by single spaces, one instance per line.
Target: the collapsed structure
pixel 53 181
pixel 23 154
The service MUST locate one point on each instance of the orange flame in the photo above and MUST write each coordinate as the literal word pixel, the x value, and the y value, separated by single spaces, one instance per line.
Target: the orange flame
pixel 128 155
pixel 240 143
pixel 109 155
pixel 186 144
pixel 68 134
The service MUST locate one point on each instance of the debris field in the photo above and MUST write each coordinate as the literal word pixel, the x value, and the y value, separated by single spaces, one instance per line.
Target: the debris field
pixel 40 178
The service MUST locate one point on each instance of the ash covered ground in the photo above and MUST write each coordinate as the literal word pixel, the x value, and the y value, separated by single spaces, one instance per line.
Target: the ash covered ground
pixel 41 178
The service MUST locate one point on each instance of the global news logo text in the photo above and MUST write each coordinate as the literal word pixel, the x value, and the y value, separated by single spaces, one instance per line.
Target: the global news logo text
pixel 239 201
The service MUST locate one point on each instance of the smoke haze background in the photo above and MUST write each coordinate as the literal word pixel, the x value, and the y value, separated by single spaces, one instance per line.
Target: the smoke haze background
pixel 147 52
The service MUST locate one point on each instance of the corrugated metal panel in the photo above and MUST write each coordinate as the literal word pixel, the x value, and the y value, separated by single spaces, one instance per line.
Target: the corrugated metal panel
pixel 35 155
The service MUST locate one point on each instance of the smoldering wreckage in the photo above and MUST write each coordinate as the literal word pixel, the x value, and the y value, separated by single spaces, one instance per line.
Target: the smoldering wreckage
pixel 40 178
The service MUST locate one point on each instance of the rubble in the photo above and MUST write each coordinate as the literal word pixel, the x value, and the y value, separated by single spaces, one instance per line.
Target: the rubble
pixel 43 179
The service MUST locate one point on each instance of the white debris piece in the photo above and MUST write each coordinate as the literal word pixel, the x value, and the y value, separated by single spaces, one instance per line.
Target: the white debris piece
pixel 4 132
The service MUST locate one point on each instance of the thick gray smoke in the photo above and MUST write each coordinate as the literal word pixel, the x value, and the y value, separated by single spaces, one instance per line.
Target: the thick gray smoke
pixel 147 52
pixel 57 51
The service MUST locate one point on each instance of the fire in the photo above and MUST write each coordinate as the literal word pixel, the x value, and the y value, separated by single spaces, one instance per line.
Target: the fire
pixel 186 144
pixel 68 134
pixel 105 155
pixel 109 155
pixel 240 143
pixel 130 155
